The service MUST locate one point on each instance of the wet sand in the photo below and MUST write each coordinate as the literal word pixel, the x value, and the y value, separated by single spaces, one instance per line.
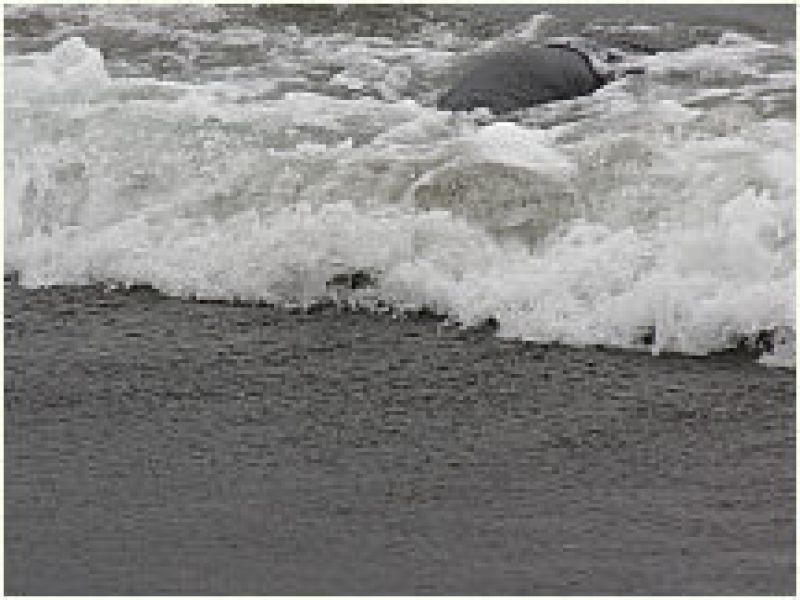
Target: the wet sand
pixel 157 446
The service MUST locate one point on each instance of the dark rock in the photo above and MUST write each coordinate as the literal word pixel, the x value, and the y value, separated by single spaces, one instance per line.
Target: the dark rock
pixel 515 79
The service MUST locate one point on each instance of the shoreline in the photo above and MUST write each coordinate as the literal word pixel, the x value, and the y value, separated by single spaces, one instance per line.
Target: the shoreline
pixel 750 349
pixel 156 445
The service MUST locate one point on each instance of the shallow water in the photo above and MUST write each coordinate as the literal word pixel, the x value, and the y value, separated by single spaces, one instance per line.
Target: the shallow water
pixel 259 153
pixel 157 446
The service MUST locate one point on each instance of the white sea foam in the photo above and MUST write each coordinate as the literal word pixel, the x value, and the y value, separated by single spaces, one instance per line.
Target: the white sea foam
pixel 637 214
pixel 70 68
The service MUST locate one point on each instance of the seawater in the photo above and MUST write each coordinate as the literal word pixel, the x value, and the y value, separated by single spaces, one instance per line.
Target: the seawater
pixel 217 153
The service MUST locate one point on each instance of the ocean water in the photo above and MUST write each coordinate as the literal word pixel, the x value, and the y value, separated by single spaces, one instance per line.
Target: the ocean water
pixel 294 155
pixel 268 154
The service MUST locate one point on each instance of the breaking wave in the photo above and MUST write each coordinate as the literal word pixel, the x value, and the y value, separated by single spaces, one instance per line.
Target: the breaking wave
pixel 658 213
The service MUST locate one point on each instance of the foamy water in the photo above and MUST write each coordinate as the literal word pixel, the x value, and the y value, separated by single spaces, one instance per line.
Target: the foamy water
pixel 657 213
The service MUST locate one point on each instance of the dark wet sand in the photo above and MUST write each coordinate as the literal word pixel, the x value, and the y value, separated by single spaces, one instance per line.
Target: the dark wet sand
pixel 157 446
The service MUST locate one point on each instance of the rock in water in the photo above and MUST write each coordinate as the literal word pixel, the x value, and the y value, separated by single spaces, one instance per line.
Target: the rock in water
pixel 514 79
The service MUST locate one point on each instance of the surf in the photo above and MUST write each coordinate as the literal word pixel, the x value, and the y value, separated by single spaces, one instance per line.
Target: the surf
pixel 636 217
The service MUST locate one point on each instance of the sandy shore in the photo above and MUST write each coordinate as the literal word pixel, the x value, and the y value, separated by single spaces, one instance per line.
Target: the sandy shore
pixel 158 446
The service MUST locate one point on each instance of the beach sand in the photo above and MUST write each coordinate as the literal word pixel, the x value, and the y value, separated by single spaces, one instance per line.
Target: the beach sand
pixel 161 446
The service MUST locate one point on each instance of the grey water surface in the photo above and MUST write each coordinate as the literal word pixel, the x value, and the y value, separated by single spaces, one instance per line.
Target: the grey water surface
pixel 156 446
